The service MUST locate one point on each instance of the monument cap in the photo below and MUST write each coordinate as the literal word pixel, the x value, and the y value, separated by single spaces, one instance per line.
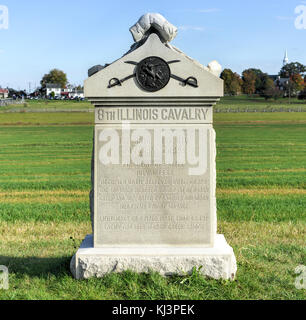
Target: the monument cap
pixel 151 22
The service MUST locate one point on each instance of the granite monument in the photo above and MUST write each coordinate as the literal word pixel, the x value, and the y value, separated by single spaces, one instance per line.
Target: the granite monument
pixel 153 198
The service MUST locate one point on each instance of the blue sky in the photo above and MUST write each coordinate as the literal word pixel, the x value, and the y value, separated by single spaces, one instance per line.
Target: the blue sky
pixel 74 35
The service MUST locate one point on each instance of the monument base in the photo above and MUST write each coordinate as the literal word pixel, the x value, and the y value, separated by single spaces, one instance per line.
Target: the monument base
pixel 218 262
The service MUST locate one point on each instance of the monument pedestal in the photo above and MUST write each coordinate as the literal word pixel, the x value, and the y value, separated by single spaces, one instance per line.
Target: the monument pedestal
pixel 218 262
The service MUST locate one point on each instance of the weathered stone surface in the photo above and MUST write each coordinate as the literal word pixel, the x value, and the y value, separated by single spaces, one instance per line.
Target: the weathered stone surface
pixel 218 262
pixel 94 70
pixel 210 86
pixel 156 203
pixel 153 198
pixel 153 20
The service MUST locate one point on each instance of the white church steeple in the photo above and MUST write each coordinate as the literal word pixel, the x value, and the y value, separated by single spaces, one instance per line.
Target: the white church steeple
pixel 286 60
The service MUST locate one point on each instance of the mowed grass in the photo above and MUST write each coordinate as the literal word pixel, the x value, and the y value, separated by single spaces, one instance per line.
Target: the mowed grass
pixel 54 105
pixel 255 103
pixel 44 211
pixel 240 103
pixel 46 118
pixel 78 118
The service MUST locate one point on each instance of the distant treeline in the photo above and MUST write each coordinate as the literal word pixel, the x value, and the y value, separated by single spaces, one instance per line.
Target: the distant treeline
pixel 290 82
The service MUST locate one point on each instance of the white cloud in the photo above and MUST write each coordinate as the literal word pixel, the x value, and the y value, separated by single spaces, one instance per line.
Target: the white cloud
pixel 1 51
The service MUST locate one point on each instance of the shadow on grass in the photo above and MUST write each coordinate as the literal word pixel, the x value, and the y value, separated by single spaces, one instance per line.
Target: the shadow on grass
pixel 39 267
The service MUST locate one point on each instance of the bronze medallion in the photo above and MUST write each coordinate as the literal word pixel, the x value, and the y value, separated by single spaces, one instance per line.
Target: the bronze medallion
pixel 153 74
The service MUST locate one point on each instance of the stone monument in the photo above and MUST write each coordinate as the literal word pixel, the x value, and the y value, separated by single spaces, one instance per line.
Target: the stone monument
pixel 153 198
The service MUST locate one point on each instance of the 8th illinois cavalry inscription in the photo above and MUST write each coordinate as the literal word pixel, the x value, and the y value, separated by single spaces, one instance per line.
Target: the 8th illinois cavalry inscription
pixel 174 114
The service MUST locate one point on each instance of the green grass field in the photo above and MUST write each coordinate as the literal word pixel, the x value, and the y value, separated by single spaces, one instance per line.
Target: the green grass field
pixel 232 104
pixel 259 104
pixel 54 105
pixel 44 209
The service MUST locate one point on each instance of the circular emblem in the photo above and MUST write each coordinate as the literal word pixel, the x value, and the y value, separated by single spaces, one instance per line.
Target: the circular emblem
pixel 153 74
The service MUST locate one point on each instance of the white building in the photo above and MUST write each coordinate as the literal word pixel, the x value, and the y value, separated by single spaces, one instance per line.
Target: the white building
pixel 56 88
pixel 69 92
pixel 4 93
pixel 278 81
pixel 286 59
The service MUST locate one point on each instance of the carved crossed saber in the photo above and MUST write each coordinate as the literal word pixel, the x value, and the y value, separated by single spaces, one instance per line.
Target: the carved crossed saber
pixel 191 81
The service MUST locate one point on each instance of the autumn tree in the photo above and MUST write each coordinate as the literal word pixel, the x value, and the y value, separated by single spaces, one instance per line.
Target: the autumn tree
pixel 55 76
pixel 302 94
pixel 259 79
pixel 249 81
pixel 291 69
pixel 294 85
pixel 232 82
pixel 298 82
pixel 269 90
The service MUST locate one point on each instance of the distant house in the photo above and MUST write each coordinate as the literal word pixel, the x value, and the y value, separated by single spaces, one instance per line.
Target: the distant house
pixel 69 92
pixel 53 87
pixel 279 82
pixel 4 93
